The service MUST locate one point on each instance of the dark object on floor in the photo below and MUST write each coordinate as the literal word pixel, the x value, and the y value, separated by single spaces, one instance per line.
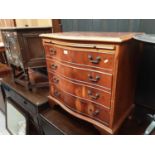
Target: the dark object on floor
pixel 151 127
pixel 136 123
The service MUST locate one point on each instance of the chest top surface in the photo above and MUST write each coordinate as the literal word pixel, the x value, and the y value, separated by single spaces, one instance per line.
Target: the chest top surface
pixel 117 37
pixel 37 98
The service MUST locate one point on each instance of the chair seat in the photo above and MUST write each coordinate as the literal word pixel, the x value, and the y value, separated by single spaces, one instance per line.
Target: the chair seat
pixel 4 69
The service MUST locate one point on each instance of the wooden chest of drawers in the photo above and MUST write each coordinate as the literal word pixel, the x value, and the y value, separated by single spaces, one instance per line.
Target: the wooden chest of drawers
pixel 92 75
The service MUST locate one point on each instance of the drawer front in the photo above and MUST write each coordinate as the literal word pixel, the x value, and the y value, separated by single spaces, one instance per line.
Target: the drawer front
pixel 49 128
pixel 81 106
pixel 94 59
pixel 80 90
pixel 23 103
pixel 81 74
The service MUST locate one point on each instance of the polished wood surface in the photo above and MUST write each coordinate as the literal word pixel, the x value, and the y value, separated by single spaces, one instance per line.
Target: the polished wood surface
pixel 84 107
pixel 78 89
pixel 87 76
pixel 81 44
pixel 37 98
pixel 93 83
pixel 4 70
pixel 92 36
pixel 94 59
pixel 57 122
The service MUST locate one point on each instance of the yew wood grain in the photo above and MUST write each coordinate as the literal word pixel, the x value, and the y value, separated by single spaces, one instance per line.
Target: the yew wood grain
pixel 87 76
pixel 114 58
pixel 125 81
pixel 95 59
pixel 86 92
pixel 84 107
pixel 110 37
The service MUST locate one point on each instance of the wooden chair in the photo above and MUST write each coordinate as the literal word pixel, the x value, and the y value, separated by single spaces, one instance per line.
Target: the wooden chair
pixel 4 70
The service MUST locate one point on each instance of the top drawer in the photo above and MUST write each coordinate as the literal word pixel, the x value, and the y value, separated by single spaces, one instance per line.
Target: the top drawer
pixel 93 58
pixel 26 105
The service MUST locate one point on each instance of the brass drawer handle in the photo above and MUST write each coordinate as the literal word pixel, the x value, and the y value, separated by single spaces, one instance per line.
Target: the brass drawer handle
pixel 97 78
pixel 90 94
pixel 96 61
pixel 52 51
pixel 55 80
pixel 56 93
pixel 96 112
pixel 54 66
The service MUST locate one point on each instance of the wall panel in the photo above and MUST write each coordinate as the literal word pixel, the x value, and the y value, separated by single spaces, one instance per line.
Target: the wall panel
pixel 109 25
pixel 33 22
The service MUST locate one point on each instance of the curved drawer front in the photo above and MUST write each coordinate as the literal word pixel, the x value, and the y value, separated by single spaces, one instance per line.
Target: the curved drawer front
pixel 81 74
pixel 86 108
pixel 102 59
pixel 80 90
